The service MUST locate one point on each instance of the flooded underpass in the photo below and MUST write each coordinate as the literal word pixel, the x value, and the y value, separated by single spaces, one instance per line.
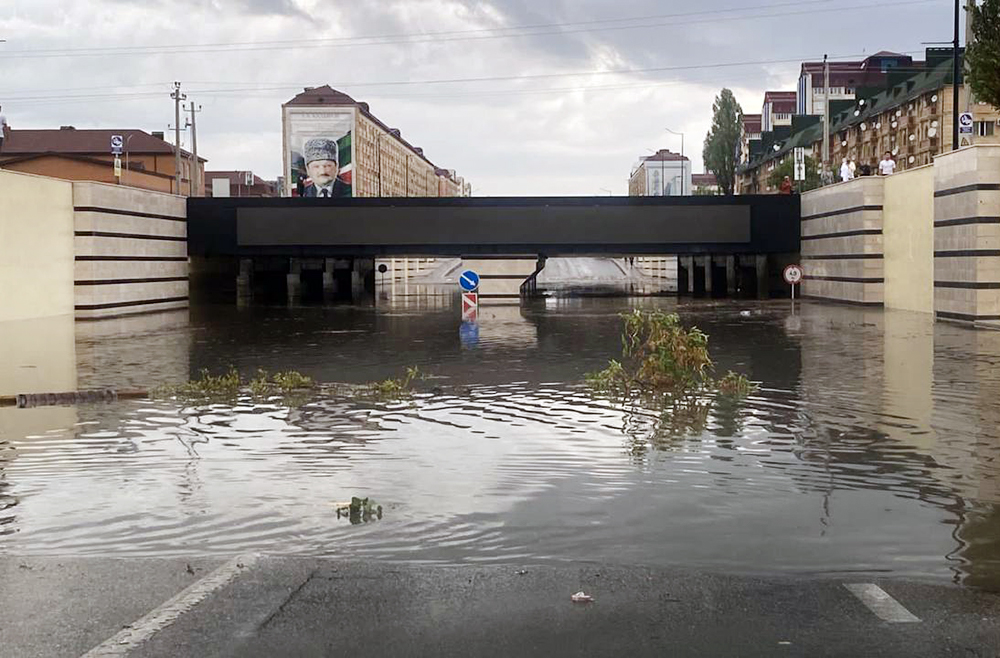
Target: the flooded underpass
pixel 870 446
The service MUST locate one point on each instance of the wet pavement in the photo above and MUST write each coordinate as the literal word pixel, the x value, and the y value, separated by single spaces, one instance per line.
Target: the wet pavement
pixel 869 454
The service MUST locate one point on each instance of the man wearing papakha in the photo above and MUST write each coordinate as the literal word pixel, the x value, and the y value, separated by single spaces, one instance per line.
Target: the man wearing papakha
pixel 322 158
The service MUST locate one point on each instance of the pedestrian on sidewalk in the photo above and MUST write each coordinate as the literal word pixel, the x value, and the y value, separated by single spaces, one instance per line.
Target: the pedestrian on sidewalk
pixel 786 186
pixel 887 166
pixel 4 128
pixel 845 171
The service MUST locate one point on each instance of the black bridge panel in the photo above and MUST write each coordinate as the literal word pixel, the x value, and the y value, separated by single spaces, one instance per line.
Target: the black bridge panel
pixel 515 225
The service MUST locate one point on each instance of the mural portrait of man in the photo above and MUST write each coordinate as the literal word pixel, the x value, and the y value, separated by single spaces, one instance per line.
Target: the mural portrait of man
pixel 322 160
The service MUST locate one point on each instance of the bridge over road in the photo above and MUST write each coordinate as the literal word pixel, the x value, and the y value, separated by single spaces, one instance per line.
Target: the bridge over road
pixel 707 232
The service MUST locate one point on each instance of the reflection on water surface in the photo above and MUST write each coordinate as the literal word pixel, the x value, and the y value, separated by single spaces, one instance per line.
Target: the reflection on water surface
pixel 871 445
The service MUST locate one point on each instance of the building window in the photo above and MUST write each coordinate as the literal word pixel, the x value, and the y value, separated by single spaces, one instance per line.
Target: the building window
pixel 984 128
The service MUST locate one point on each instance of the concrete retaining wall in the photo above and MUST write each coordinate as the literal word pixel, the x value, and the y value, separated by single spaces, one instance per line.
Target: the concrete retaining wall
pixel 36 246
pixel 842 252
pixel 130 251
pixel 967 235
pixel 908 238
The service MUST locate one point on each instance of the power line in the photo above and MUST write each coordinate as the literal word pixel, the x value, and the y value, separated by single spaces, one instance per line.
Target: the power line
pixel 425 38
pixel 394 83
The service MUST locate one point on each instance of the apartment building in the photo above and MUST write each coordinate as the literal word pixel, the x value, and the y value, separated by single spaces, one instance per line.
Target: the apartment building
pixel 778 108
pixel 372 159
pixel 848 79
pixel 911 119
pixel 663 174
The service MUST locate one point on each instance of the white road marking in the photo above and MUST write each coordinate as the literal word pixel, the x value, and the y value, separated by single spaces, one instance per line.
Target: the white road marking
pixel 129 638
pixel 878 601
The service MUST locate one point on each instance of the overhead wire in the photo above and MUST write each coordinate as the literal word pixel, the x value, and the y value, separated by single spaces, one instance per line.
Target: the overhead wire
pixel 301 44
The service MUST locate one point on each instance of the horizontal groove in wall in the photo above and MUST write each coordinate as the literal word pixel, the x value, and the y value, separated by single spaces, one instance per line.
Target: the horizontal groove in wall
pixel 965 221
pixel 843 257
pixel 837 300
pixel 845 234
pixel 129 213
pixel 967 253
pixel 975 187
pixel 846 279
pixel 969 285
pixel 965 316
pixel 138 302
pixel 149 259
pixel 130 236
pixel 834 213
pixel 108 282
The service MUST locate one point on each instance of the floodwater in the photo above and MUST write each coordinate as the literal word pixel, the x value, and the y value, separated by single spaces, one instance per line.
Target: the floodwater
pixel 872 445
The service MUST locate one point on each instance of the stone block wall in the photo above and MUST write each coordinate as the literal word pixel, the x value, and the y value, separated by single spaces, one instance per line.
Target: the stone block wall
pixel 967 235
pixel 130 251
pixel 842 248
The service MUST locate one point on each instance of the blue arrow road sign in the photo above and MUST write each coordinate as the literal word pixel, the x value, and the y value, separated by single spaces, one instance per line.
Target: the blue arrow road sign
pixel 469 281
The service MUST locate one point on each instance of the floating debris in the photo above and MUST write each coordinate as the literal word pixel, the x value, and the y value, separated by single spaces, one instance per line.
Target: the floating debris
pixel 581 597
pixel 359 510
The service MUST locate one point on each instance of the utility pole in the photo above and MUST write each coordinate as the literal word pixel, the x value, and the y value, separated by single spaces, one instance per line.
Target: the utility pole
pixel 969 7
pixel 194 151
pixel 178 97
pixel 826 113
pixel 954 85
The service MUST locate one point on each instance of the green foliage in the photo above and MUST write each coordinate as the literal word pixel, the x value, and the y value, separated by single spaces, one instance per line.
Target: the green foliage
pixel 668 367
pixel 231 385
pixel 734 385
pixel 983 55
pixel 787 168
pixel 659 356
pixel 705 190
pixel 401 387
pixel 723 140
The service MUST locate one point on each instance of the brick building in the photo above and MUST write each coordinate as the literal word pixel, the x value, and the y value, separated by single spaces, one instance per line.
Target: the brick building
pixel 381 161
pixel 912 119
pixel 85 155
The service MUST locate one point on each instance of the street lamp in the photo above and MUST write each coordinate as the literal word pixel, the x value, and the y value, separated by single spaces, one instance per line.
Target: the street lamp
pixel 682 157
pixel 604 189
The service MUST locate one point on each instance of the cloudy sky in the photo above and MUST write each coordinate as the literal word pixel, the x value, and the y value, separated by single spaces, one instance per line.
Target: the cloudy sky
pixel 522 97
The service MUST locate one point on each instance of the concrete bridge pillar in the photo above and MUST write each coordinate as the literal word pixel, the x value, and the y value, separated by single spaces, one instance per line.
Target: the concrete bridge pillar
pixel 501 277
pixel 363 280
pixel 244 280
pixel 293 280
pixel 763 282
pixel 731 276
pixel 329 278
pixel 685 275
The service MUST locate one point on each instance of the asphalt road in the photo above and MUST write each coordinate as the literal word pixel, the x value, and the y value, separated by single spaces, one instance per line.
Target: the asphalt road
pixel 271 606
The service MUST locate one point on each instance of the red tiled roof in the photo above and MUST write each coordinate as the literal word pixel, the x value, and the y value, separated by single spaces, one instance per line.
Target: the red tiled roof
pixel 665 155
pixel 323 95
pixel 752 123
pixel 783 106
pixel 703 180
pixel 84 141
pixel 779 96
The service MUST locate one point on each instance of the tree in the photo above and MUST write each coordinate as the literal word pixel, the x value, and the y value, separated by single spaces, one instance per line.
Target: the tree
pixel 983 55
pixel 786 168
pixel 723 140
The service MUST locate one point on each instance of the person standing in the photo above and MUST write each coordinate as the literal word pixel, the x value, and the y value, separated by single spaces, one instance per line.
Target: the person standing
pixel 4 128
pixel 845 171
pixel 786 186
pixel 887 166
